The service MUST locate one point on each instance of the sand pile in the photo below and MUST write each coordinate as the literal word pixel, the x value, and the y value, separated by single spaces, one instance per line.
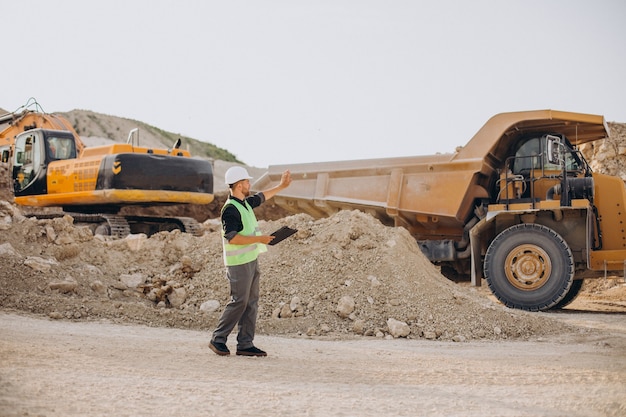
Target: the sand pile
pixel 341 277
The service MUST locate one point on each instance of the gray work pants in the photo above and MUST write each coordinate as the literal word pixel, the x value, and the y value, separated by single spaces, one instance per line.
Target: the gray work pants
pixel 243 306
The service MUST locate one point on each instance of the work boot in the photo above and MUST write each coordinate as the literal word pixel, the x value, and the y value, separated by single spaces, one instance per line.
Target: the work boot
pixel 251 351
pixel 219 348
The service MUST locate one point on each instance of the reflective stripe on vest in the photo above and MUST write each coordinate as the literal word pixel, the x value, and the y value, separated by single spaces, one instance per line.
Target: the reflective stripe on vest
pixel 242 254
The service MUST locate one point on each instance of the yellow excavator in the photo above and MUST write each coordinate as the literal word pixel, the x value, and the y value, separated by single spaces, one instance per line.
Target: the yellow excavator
pixel 51 167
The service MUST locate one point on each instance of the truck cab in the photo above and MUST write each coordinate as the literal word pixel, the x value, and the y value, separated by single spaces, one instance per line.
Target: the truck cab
pixel 536 166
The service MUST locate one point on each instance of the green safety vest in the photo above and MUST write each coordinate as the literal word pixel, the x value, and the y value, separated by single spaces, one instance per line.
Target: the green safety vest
pixel 242 254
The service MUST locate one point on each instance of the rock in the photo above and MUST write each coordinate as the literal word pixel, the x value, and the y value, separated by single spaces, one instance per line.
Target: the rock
pixel 398 328
pixel 187 265
pixel 132 280
pixel 91 269
pixel 285 311
pixel 8 213
pixel 210 306
pixel 135 242
pixel 345 306
pixel 50 233
pixel 177 297
pixel 358 326
pixel 65 287
pixel 186 261
pixel 375 282
pixel 153 295
pixel 6 249
pixel 64 238
pixel 40 264
pixel 99 287
pixel 295 303
pixel 430 335
pixel 118 285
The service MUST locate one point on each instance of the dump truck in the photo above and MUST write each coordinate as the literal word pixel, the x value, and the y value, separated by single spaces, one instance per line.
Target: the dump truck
pixel 51 167
pixel 518 205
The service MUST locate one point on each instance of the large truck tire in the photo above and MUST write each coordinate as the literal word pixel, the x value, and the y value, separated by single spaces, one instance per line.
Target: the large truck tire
pixel 571 295
pixel 529 267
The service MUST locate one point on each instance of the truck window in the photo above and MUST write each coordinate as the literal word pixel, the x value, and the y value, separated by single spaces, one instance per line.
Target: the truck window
pixel 572 161
pixel 527 156
pixel 530 155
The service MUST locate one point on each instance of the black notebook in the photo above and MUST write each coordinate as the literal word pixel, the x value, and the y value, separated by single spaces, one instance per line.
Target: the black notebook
pixel 282 234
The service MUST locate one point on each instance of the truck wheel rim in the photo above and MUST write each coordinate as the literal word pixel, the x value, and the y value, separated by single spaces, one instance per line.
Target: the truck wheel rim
pixel 528 267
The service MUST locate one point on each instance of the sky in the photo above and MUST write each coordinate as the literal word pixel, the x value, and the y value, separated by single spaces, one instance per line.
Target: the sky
pixel 291 81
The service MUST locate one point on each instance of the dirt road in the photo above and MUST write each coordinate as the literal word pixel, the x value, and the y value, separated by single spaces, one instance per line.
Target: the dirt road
pixel 62 368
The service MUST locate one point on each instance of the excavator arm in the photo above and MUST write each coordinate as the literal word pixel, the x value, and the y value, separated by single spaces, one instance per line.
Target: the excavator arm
pixel 15 123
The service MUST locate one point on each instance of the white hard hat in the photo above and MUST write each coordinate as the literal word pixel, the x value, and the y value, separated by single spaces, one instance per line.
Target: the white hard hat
pixel 234 174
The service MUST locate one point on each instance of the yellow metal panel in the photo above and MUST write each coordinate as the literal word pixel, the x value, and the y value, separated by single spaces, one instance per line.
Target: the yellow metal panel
pixel 578 127
pixel 610 199
pixel 115 197
pixel 128 148
pixel 107 150
pixel 73 175
pixel 609 260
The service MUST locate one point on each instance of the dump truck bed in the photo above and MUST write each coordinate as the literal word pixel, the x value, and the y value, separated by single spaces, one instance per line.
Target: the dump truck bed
pixel 391 189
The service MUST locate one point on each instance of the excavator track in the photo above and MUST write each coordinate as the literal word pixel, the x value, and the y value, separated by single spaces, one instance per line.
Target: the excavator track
pixel 191 226
pixel 120 226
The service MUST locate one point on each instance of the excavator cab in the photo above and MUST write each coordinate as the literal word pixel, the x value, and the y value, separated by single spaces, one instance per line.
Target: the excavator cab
pixel 34 151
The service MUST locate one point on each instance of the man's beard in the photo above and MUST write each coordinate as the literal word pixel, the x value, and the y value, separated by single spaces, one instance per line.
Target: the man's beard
pixel 246 193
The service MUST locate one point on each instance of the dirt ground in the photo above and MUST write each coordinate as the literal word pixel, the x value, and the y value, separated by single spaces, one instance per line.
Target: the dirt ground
pixel 98 327
pixel 63 368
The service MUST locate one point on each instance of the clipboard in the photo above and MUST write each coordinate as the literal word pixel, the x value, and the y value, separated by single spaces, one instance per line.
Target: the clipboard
pixel 282 234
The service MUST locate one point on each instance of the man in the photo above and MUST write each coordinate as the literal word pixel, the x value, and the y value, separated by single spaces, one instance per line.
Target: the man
pixel 242 243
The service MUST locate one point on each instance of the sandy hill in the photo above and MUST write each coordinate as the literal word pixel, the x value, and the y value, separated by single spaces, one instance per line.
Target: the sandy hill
pixel 99 129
